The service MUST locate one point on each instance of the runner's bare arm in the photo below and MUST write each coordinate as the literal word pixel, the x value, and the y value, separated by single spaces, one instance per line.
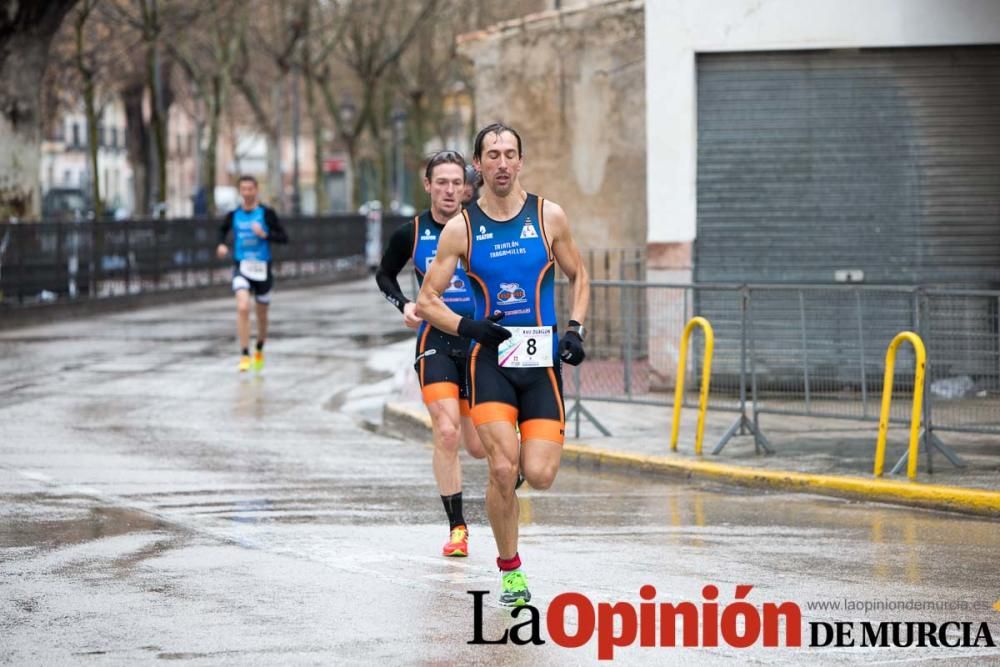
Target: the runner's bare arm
pixel 451 247
pixel 568 257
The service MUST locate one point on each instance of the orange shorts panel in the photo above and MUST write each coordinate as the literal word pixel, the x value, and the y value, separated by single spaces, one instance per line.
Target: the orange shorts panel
pixel 543 429
pixel 484 413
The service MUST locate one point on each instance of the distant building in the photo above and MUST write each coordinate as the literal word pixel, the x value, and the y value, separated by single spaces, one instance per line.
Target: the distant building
pixel 65 164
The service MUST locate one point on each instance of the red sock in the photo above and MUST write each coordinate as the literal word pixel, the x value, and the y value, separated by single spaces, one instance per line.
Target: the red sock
pixel 508 564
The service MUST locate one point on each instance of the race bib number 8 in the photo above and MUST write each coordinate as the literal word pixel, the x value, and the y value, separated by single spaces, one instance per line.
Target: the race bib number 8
pixel 254 269
pixel 527 347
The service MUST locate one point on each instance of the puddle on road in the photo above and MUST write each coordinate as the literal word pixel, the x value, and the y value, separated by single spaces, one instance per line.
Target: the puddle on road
pixel 40 520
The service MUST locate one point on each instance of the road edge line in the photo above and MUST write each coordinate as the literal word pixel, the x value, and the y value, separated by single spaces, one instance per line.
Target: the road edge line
pixel 980 502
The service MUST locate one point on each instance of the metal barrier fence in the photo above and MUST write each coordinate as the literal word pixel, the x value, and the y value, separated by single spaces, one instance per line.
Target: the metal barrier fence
pixel 58 262
pixel 801 350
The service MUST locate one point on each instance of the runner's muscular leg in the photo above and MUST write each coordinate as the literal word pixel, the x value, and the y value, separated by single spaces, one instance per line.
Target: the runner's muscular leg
pixel 500 442
pixel 261 321
pixel 540 462
pixel 445 425
pixel 470 437
pixel 243 317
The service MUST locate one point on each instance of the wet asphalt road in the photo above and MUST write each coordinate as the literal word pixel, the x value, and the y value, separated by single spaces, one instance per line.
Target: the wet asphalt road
pixel 155 505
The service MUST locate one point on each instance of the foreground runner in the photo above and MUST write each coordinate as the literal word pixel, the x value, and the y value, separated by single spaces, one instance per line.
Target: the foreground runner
pixel 441 358
pixel 255 227
pixel 508 241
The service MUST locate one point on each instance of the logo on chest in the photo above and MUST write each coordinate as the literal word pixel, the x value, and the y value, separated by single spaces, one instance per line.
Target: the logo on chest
pixel 528 231
pixel 428 236
pixel 483 235
pixel 510 294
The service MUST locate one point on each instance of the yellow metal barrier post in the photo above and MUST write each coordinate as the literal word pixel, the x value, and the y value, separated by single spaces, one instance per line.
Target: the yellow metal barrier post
pixel 918 402
pixel 706 377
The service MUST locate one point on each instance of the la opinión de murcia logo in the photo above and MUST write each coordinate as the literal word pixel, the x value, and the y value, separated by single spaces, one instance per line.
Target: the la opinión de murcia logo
pixel 737 624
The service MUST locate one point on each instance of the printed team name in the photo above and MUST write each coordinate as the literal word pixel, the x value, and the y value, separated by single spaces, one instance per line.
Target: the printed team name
pixel 737 624
pixel 641 623
pixel 507 248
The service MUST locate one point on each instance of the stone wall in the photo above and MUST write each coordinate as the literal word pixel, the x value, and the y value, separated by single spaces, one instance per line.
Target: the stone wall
pixel 572 82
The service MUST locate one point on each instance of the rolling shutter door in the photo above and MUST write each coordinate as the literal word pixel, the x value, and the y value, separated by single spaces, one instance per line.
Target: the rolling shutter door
pixel 883 160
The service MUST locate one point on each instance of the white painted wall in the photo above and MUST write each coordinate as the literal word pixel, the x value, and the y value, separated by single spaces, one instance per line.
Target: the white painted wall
pixel 678 29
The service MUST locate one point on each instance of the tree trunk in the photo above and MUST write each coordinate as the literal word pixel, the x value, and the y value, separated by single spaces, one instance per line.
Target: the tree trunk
pixel 322 205
pixel 353 177
pixel 415 145
pixel 217 101
pixel 210 159
pixel 20 129
pixel 26 30
pixel 384 149
pixel 90 112
pixel 137 145
pixel 274 150
pixel 158 123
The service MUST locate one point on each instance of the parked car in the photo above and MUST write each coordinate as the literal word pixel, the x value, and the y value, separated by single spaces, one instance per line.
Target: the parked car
pixel 66 204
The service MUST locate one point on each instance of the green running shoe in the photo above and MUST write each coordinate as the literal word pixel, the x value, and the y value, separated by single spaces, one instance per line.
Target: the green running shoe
pixel 514 589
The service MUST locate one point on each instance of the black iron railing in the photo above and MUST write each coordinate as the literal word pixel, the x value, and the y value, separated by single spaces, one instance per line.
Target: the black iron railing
pixel 60 262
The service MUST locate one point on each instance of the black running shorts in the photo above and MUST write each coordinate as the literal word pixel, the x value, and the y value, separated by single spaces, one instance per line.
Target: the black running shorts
pixel 441 367
pixel 528 397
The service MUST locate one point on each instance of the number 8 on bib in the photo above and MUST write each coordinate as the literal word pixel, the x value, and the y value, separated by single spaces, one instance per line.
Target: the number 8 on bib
pixel 527 347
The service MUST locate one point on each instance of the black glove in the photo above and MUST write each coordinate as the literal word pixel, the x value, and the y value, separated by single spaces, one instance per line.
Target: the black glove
pixel 571 348
pixel 487 331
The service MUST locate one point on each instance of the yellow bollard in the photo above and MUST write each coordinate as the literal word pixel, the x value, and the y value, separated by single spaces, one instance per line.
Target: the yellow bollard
pixel 706 377
pixel 918 402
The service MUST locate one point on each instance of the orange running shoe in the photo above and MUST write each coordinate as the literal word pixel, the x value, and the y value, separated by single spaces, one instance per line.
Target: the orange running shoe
pixel 458 543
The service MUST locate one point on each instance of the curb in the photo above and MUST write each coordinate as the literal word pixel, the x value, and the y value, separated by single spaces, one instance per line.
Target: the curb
pixel 415 423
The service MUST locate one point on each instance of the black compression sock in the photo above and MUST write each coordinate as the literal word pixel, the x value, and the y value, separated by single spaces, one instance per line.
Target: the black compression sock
pixel 453 507
pixel 246 352
pixel 260 345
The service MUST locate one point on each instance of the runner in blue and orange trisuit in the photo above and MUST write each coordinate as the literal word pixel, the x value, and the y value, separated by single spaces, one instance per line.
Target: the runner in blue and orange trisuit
pixel 440 357
pixel 509 242
pixel 255 227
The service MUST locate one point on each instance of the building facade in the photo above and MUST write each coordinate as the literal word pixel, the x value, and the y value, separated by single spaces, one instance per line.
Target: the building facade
pixel 818 141
pixel 65 163
pixel 572 82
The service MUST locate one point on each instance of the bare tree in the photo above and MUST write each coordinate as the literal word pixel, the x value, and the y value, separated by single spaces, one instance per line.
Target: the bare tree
pixel 321 31
pixel 87 69
pixel 152 25
pixel 274 33
pixel 433 81
pixel 373 37
pixel 206 56
pixel 26 31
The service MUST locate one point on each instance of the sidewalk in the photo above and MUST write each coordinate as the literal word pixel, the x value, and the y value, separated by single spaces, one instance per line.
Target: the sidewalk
pixel 816 455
